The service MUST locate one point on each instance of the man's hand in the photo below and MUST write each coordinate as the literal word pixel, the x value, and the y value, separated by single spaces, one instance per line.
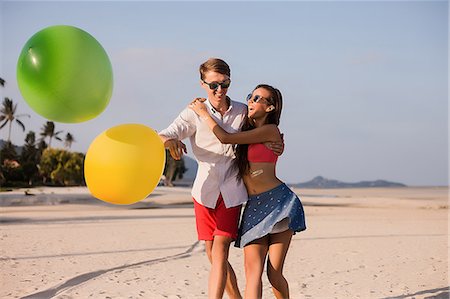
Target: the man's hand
pixel 176 148
pixel 276 147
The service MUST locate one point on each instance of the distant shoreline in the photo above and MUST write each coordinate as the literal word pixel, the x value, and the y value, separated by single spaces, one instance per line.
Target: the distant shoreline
pixel 167 196
pixel 84 189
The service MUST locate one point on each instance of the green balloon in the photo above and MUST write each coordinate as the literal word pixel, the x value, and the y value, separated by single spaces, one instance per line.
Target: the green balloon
pixel 65 75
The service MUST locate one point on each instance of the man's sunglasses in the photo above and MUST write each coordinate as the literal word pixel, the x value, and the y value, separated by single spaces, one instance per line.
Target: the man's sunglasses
pixel 215 85
pixel 257 99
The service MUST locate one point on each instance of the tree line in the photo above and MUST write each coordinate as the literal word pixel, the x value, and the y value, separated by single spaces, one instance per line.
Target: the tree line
pixel 37 163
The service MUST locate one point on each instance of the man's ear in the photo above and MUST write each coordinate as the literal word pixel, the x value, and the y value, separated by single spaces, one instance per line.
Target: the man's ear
pixel 270 108
pixel 204 86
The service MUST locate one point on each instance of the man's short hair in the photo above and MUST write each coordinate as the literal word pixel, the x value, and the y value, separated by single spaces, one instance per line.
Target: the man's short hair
pixel 214 65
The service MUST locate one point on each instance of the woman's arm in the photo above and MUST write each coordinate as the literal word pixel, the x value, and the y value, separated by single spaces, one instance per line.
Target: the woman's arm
pixel 266 133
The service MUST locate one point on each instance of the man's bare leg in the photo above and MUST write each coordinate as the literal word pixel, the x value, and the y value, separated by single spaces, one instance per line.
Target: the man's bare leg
pixel 231 286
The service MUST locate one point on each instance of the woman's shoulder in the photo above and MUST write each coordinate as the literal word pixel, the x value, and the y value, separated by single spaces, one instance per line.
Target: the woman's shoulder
pixel 273 130
pixel 271 127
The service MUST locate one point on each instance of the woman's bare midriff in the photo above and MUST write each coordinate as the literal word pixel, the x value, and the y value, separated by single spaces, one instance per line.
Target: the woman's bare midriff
pixel 261 178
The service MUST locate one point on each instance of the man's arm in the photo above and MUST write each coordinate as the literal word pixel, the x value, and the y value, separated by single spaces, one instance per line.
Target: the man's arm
pixel 276 147
pixel 182 127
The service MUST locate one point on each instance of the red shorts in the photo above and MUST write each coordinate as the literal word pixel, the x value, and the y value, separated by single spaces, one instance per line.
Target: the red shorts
pixel 216 222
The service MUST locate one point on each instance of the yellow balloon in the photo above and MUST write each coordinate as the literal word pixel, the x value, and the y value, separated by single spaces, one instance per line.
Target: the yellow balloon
pixel 124 164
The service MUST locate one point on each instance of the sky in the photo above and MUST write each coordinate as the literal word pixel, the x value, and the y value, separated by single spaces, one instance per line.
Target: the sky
pixel 364 84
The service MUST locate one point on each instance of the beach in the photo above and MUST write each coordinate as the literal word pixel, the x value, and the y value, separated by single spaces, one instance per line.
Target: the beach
pixel 359 243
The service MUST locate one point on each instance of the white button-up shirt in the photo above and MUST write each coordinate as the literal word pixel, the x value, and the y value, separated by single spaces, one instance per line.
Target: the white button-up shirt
pixel 215 173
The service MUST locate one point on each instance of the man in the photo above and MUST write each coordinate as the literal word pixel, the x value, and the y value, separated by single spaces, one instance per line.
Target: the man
pixel 217 194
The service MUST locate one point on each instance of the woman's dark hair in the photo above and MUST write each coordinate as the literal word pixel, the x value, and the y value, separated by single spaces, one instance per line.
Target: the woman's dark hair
pixel 276 99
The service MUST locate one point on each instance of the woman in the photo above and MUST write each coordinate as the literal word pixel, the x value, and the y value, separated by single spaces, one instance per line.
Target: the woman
pixel 273 212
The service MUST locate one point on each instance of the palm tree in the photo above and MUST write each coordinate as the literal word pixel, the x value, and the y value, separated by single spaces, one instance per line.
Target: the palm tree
pixel 29 149
pixel 29 158
pixel 69 140
pixel 8 115
pixel 48 130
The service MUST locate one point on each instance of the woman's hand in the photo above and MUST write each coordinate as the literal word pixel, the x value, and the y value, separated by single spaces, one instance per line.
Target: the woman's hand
pixel 199 107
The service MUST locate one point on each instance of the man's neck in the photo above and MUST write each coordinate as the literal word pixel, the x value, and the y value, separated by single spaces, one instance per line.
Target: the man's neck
pixel 221 106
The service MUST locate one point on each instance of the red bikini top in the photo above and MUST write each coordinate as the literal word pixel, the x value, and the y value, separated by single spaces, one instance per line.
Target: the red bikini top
pixel 258 152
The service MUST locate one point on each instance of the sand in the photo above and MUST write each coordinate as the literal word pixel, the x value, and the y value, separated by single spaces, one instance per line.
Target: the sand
pixel 360 243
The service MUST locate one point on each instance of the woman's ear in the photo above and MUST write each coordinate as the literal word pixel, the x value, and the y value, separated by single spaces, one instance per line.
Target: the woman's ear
pixel 270 108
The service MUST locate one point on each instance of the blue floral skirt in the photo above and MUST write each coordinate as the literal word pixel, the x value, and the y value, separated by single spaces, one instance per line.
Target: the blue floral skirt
pixel 263 211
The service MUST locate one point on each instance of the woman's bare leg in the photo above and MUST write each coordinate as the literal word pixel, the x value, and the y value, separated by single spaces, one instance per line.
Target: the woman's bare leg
pixel 278 247
pixel 254 258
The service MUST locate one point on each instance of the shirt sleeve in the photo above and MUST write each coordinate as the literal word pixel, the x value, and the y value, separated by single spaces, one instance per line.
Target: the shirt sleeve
pixel 182 127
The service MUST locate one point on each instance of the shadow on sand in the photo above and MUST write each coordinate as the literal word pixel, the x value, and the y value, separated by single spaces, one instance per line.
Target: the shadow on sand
pixel 73 282
pixel 441 293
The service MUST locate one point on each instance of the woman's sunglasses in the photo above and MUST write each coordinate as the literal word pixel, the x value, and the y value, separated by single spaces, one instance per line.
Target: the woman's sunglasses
pixel 215 85
pixel 257 99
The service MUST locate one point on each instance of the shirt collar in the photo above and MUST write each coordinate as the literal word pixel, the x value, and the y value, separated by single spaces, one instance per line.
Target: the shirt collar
pixel 213 110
